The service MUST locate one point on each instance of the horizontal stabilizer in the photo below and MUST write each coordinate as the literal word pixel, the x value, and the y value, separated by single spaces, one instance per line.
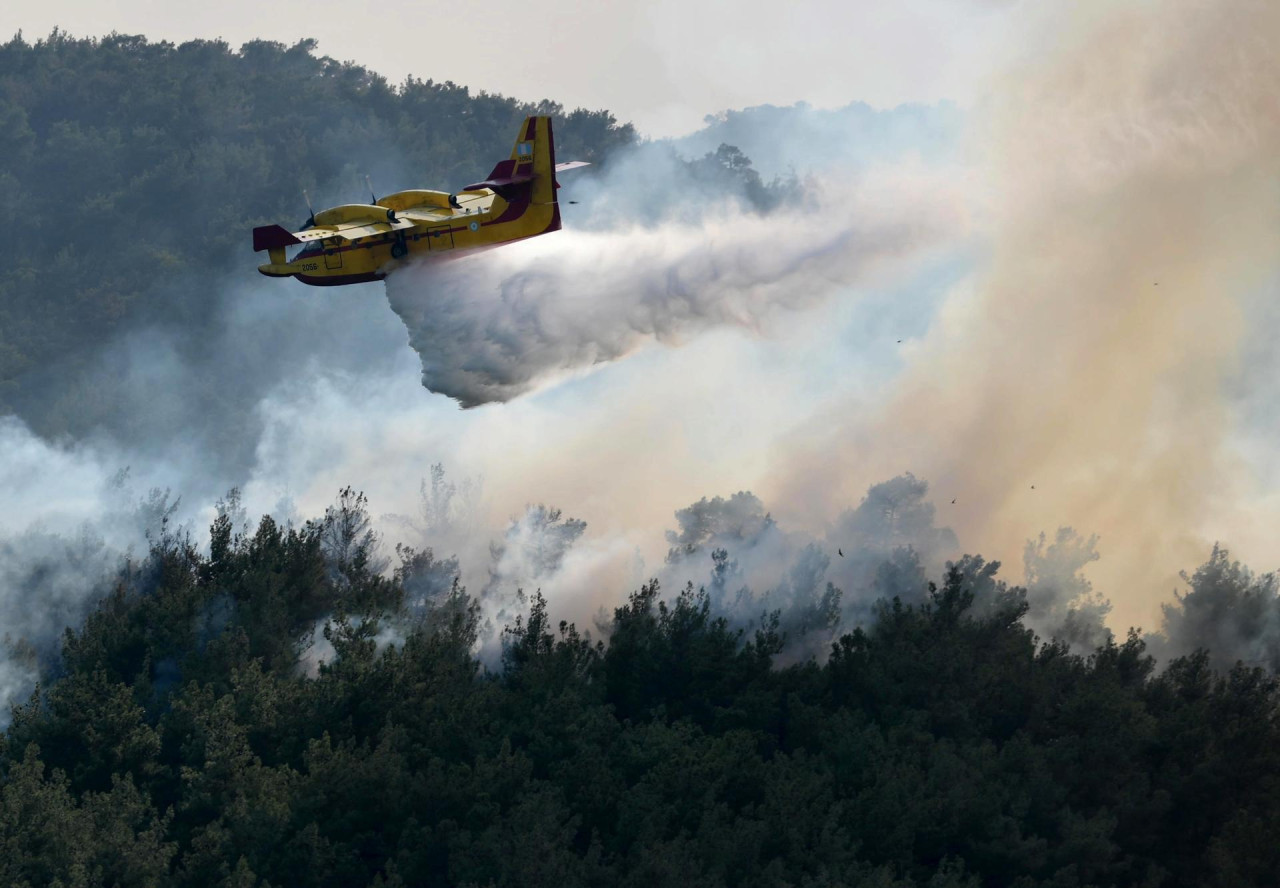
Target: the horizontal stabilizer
pixel 503 176
pixel 571 165
pixel 272 237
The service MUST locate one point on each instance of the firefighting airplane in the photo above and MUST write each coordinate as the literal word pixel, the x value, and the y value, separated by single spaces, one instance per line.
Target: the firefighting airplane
pixel 356 243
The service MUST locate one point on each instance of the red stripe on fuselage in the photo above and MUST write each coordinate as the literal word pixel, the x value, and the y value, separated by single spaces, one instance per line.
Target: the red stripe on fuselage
pixel 511 213
pixel 551 149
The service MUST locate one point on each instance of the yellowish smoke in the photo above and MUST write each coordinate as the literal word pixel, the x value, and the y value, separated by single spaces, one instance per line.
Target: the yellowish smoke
pixel 1132 185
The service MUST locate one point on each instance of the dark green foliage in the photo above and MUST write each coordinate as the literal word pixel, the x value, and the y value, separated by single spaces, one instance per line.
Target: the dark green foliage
pixel 728 169
pixel 194 738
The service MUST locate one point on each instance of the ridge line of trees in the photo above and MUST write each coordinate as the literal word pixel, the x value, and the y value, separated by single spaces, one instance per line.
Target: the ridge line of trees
pixel 189 737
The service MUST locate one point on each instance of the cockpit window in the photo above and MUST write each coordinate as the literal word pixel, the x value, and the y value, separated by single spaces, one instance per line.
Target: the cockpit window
pixel 310 249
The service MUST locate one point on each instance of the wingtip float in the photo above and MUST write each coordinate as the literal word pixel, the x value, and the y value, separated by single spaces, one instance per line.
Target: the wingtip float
pixel 357 243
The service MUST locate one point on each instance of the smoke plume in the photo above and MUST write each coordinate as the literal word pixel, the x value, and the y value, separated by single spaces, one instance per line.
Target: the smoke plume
pixel 1086 374
pixel 1226 611
pixel 74 521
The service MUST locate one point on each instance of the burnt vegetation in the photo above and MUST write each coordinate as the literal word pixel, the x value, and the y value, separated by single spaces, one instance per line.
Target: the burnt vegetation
pixel 190 735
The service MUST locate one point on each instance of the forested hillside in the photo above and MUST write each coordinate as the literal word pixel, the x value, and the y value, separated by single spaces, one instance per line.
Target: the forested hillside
pixel 137 170
pixel 205 733
pixel 293 704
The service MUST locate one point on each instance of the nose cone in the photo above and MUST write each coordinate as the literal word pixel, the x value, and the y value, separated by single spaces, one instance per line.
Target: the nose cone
pixel 276 271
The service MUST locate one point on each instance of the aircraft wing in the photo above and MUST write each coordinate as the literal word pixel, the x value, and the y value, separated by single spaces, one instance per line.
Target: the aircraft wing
pixel 361 228
pixel 269 237
pixel 503 174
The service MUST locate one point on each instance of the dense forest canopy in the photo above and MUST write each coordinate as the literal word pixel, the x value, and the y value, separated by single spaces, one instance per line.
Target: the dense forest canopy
pixel 196 737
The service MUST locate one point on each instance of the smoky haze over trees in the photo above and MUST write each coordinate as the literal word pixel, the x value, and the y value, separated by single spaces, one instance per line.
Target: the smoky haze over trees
pixel 279 711
pixel 775 137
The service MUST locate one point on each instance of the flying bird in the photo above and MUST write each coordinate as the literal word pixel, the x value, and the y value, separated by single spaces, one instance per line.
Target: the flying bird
pixel 841 551
pixel 1033 487
pixel 953 502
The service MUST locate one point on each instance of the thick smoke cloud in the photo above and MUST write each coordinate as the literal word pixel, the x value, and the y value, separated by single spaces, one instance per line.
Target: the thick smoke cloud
pixel 751 566
pixel 1062 603
pixel 186 395
pixel 803 140
pixel 530 554
pixel 1227 611
pixel 75 521
pixel 1090 371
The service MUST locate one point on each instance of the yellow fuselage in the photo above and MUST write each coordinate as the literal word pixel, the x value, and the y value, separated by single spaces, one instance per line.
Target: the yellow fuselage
pixel 355 243
pixel 485 220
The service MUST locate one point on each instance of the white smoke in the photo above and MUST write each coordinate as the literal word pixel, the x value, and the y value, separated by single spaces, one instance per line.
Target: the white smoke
pixel 73 516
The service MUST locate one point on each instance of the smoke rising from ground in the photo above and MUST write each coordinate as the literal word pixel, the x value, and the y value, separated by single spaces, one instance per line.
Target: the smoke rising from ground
pixel 1132 170
pixel 1226 610
pixel 74 518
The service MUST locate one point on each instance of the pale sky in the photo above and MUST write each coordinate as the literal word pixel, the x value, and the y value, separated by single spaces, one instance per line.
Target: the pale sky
pixel 661 64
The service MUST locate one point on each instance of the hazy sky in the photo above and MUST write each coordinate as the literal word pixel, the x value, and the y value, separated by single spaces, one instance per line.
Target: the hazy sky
pixel 661 64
